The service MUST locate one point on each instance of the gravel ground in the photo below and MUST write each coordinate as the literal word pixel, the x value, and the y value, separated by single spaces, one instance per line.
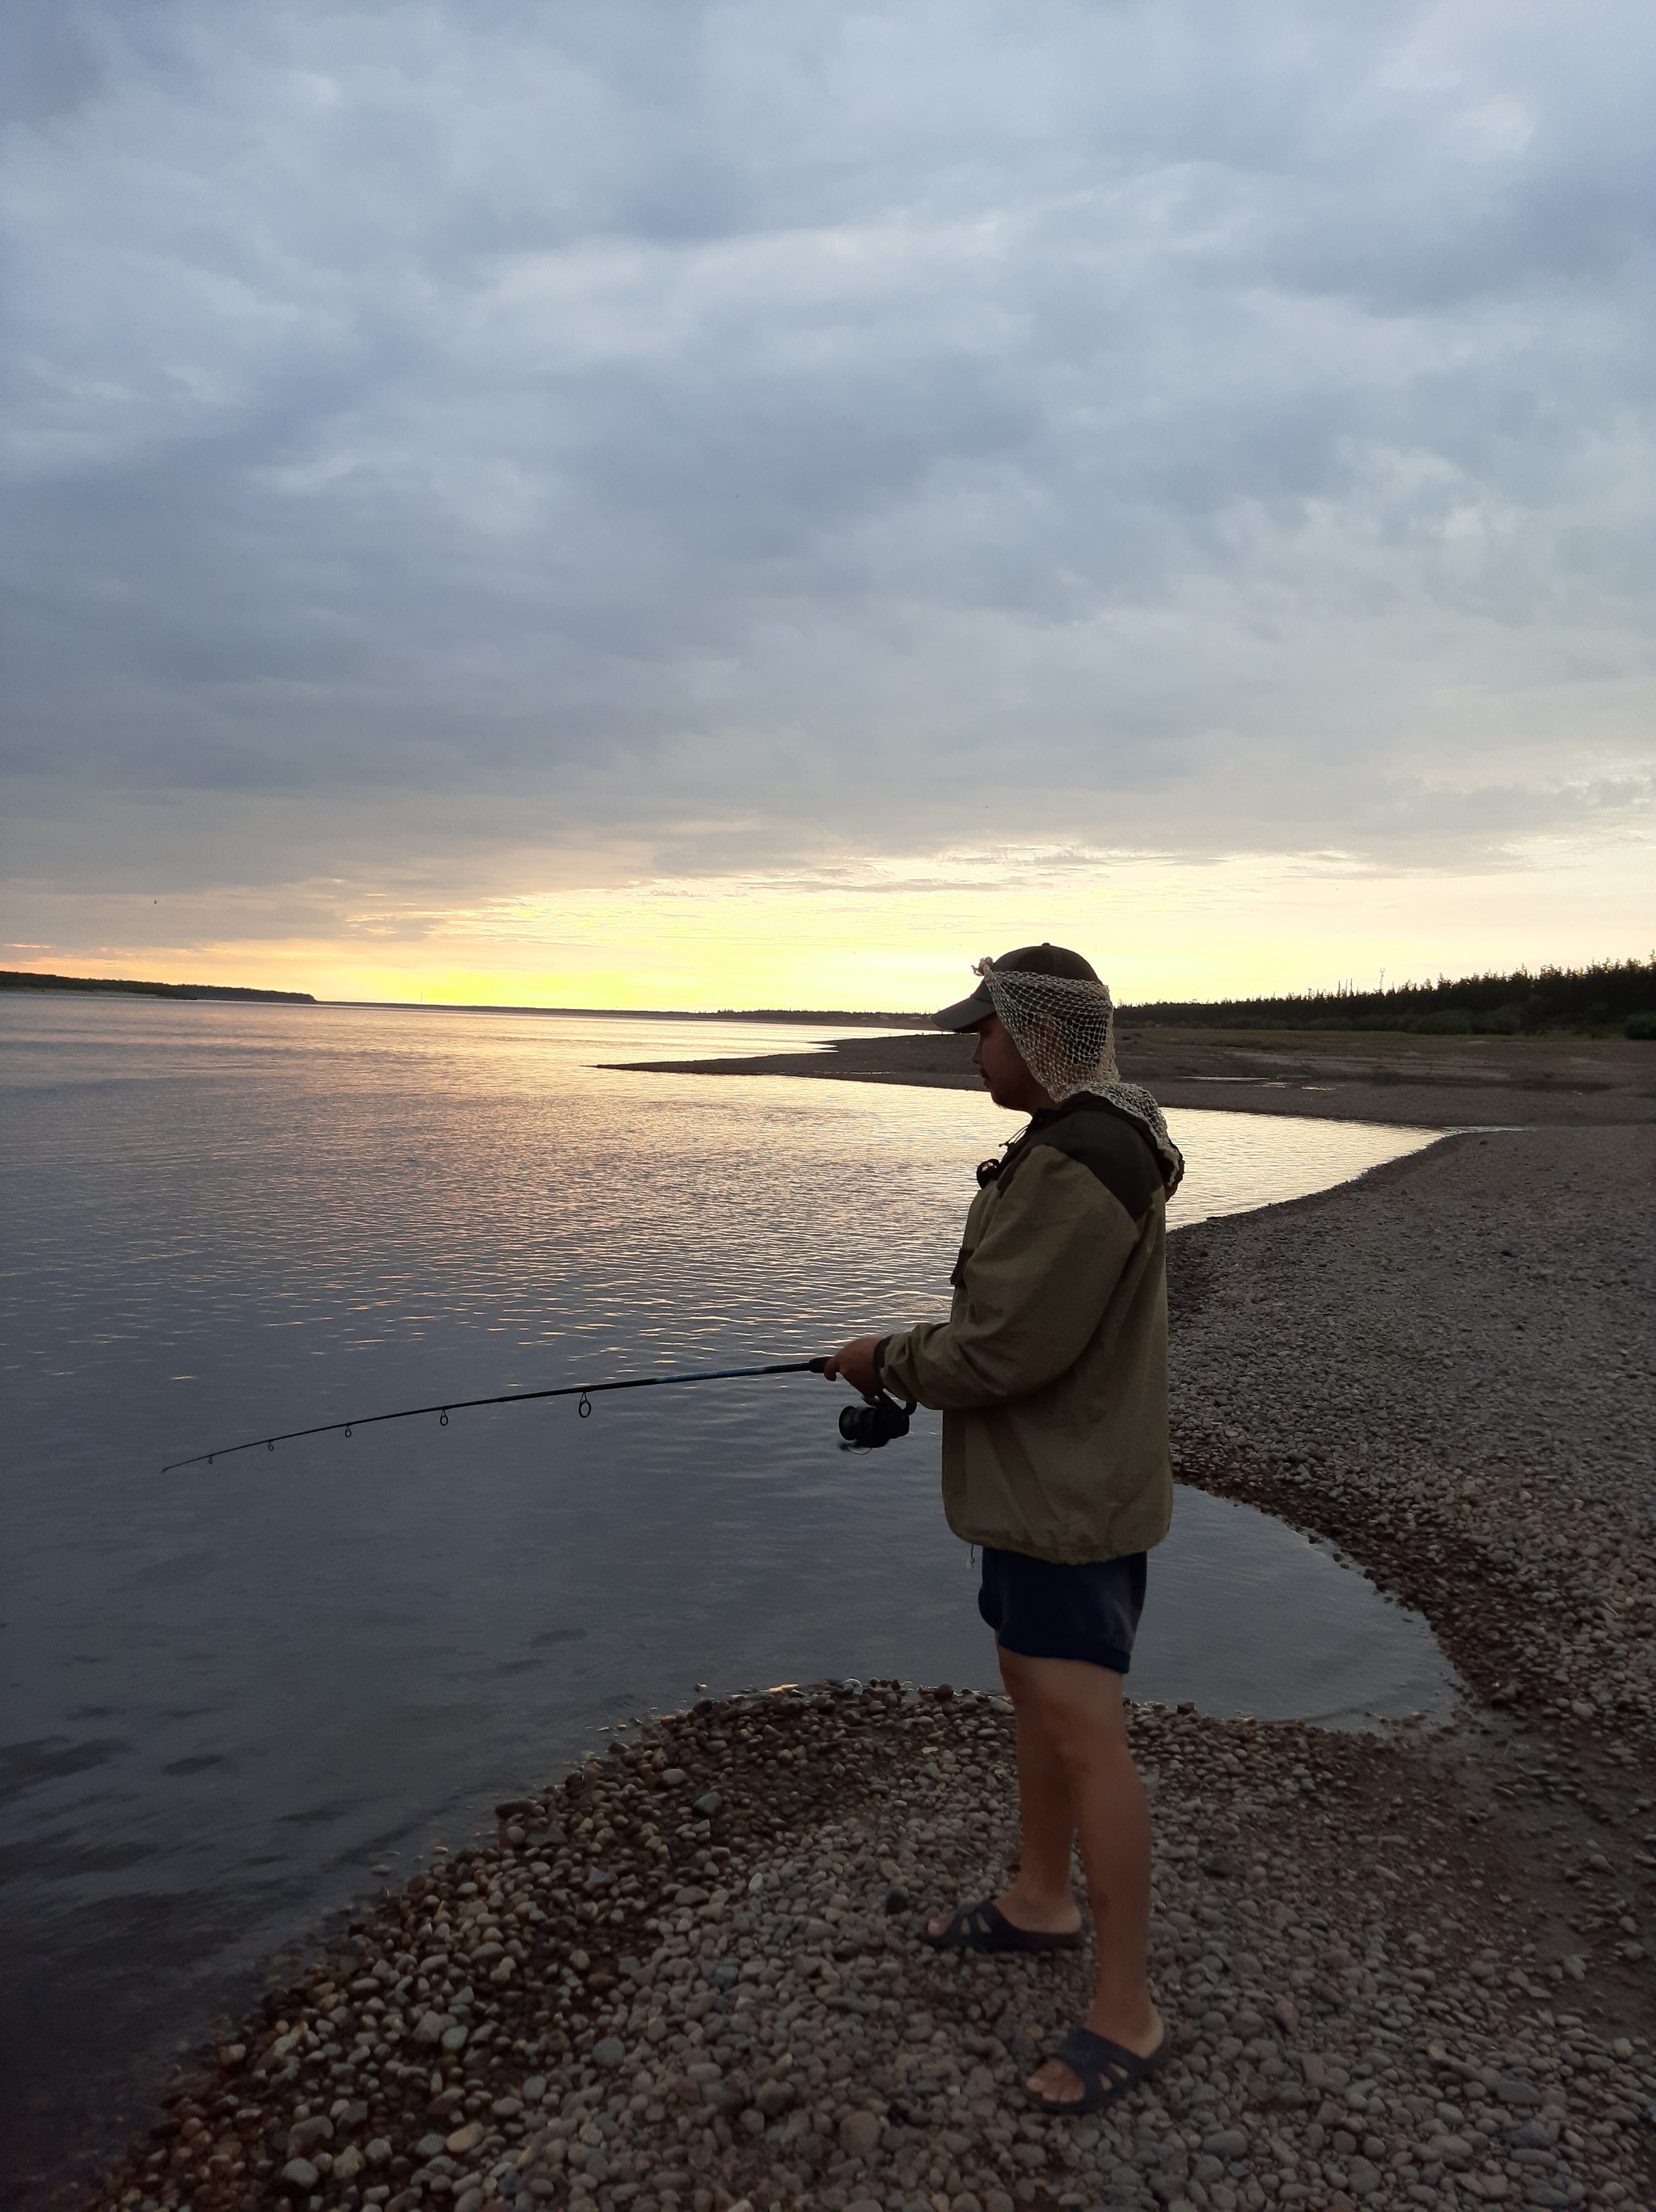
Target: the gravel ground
pixel 1450 1367
pixel 1408 1969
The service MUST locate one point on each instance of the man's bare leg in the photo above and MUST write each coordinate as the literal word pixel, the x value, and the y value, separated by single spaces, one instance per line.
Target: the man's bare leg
pixel 1041 1897
pixel 1075 1771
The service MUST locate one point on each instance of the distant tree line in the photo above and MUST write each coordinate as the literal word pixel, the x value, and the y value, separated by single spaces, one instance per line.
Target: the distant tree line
pixel 23 979
pixel 1612 998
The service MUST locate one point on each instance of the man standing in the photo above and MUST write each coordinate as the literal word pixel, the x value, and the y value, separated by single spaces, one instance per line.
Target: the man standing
pixel 1051 1373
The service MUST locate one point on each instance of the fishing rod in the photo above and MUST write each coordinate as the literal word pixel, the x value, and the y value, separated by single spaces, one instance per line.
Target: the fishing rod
pixel 862 1436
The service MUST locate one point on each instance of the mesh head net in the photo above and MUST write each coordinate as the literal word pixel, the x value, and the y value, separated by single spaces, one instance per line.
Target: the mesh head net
pixel 1063 1027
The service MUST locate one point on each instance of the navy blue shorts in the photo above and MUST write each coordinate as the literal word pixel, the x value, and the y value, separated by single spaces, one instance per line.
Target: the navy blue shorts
pixel 1042 1611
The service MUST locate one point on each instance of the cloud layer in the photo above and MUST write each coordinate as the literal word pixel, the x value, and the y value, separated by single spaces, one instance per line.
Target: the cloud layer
pixel 501 447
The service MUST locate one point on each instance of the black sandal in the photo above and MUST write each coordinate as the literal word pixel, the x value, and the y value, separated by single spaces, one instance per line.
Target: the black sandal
pixel 985 1928
pixel 1105 2070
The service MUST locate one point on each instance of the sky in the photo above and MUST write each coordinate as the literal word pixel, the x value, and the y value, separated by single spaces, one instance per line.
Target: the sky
pixel 693 505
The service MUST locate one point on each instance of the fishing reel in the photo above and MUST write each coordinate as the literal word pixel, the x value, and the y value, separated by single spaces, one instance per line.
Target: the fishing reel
pixel 877 1421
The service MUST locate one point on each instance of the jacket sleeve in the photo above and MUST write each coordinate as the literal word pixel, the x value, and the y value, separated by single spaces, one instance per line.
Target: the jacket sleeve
pixel 1035 1289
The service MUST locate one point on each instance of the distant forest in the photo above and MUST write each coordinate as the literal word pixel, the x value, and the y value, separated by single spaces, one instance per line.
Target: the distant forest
pixel 22 979
pixel 1615 998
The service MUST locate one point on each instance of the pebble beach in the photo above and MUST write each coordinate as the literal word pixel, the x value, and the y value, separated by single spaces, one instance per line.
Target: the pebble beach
pixel 1411 1967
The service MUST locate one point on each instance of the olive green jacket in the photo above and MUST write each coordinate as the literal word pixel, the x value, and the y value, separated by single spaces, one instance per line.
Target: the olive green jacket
pixel 1051 1370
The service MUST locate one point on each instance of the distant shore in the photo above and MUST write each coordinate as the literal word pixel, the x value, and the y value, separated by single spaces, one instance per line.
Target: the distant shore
pixel 1400 1078
pixel 1455 1082
pixel 839 1018
pixel 27 980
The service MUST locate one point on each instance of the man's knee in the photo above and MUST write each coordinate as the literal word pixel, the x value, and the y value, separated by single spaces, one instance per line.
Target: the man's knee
pixel 1078 1707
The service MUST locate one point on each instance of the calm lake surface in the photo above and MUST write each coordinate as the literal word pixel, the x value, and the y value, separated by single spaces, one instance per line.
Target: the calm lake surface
pixel 233 1693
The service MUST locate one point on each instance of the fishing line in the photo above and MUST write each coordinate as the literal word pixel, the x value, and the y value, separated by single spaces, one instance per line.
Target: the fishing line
pixel 584 1391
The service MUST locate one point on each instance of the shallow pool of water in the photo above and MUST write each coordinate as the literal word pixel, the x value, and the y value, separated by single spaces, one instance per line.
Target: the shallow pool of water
pixel 231 1692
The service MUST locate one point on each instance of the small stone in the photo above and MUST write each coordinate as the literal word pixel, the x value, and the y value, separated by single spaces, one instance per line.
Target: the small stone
pixel 470 2201
pixel 507 2108
pixel 454 2038
pixel 610 2052
pixel 1226 2142
pixel 430 2146
pixel 306 2134
pixel 673 1778
pixel 534 2089
pixel 300 2175
pixel 996 2200
pixel 379 2152
pixel 707 1804
pixel 428 2027
pixel 1514 2089
pixel 464 2139
pixel 859 2133
pixel 897 1900
pixel 1286 2014
pixel 1452 2150
pixel 1362 2179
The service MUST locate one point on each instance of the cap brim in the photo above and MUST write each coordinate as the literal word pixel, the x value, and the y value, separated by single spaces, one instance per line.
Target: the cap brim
pixel 965 1013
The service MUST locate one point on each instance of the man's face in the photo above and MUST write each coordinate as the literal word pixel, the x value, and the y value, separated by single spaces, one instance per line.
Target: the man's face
pixel 1000 1063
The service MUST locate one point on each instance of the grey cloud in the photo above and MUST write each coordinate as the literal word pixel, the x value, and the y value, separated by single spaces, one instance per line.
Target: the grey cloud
pixel 47 68
pixel 1197 425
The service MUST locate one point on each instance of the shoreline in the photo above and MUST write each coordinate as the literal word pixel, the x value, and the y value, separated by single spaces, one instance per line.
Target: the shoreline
pixel 1403 1969
pixel 24 982
pixel 1404 1080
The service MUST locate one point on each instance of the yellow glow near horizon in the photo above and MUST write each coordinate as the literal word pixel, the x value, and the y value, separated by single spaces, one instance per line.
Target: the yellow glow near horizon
pixel 902 937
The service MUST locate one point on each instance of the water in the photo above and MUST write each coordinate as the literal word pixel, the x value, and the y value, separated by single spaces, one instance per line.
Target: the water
pixel 232 1692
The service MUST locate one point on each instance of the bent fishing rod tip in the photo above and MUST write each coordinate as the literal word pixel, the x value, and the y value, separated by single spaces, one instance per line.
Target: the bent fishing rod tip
pixel 583 1391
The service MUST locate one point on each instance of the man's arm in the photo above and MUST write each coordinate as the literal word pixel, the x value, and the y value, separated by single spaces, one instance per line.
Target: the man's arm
pixel 1036 1288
